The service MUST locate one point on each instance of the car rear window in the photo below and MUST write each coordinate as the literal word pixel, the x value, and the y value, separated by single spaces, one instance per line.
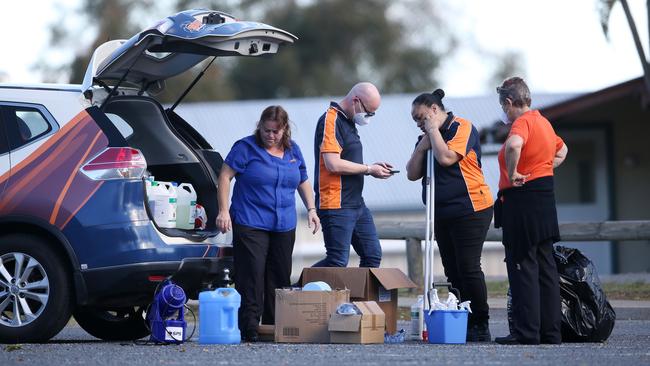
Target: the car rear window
pixel 25 123
pixel 125 129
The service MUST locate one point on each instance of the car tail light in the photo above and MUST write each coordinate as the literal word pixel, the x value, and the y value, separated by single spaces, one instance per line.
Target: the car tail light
pixel 156 278
pixel 116 163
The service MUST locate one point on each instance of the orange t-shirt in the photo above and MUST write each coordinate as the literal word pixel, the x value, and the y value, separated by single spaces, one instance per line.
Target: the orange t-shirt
pixel 538 151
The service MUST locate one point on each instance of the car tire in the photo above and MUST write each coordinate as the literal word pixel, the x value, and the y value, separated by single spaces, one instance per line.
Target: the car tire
pixel 35 282
pixel 117 324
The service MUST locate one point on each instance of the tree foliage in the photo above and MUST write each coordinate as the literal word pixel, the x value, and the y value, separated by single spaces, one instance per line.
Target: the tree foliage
pixel 340 43
pixel 509 64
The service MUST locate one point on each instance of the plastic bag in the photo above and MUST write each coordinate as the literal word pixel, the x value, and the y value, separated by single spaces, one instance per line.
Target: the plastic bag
pixel 398 337
pixel 587 316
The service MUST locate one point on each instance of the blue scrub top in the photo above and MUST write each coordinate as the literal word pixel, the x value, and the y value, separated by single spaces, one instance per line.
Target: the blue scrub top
pixel 264 196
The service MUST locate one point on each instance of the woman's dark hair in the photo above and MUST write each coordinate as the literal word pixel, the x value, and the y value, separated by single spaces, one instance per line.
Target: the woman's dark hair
pixel 430 99
pixel 516 90
pixel 278 114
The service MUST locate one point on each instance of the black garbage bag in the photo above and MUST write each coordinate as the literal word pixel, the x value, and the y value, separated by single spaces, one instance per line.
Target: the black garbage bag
pixel 587 316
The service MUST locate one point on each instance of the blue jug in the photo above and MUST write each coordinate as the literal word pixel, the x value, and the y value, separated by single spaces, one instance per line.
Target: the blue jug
pixel 218 316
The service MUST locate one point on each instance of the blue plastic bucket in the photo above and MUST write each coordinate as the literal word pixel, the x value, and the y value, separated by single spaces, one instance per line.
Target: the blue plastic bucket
pixel 446 326
pixel 218 316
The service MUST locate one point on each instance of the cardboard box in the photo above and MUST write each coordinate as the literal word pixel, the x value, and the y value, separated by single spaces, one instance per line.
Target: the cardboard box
pixel 365 328
pixel 365 284
pixel 303 316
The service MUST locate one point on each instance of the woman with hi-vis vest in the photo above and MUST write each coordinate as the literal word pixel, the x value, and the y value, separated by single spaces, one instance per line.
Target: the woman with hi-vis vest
pixel 463 203
pixel 525 209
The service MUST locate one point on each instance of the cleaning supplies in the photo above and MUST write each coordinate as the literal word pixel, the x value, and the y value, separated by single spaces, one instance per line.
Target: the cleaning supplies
pixel 185 206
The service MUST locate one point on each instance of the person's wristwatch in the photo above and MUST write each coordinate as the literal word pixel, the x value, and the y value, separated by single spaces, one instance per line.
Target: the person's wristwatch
pixel 367 170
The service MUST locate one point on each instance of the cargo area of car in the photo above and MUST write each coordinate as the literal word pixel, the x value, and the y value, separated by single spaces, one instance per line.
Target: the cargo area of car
pixel 171 152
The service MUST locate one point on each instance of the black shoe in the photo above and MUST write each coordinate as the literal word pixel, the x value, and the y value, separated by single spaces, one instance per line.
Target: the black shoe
pixel 509 339
pixel 479 333
pixel 551 341
pixel 251 336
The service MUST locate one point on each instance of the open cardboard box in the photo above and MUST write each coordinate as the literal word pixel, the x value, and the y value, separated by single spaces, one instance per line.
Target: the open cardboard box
pixel 365 284
pixel 367 327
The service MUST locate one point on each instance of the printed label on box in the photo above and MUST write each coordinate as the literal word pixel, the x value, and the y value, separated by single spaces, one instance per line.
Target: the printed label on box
pixel 384 295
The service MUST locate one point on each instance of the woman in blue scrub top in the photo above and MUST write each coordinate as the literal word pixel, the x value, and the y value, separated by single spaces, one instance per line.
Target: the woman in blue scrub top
pixel 268 167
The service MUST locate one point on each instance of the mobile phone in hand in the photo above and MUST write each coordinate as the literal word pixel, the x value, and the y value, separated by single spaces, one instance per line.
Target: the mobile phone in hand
pixel 394 171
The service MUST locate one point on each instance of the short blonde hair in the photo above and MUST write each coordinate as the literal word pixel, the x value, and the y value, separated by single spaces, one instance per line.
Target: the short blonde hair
pixel 516 90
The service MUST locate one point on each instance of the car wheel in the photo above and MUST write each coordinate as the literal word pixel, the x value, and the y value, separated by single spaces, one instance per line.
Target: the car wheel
pixel 118 324
pixel 35 290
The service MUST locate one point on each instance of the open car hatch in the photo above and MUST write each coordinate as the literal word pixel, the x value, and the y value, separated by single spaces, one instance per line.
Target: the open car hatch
pixel 176 44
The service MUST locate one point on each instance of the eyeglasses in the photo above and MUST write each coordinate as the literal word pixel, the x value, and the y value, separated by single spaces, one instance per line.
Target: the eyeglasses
pixel 368 114
pixel 501 89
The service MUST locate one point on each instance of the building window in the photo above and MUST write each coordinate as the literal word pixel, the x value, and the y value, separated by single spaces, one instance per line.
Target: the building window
pixel 575 179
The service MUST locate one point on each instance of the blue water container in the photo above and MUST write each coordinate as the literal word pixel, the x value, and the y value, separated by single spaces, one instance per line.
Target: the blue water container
pixel 446 326
pixel 218 316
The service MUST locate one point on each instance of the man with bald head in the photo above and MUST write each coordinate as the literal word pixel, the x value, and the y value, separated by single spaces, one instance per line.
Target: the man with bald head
pixel 340 172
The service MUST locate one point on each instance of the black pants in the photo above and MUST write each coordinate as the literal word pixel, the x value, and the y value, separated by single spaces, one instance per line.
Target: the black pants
pixel 262 261
pixel 460 241
pixel 535 288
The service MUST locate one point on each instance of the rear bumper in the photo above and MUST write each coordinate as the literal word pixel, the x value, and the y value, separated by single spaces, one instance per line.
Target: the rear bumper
pixel 135 284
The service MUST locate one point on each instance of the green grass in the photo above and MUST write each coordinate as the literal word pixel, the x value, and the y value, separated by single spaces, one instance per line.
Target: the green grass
pixel 499 289
pixel 614 291
pixel 627 291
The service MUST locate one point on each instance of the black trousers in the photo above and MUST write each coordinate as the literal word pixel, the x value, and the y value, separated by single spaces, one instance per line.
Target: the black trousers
pixel 262 261
pixel 460 241
pixel 535 289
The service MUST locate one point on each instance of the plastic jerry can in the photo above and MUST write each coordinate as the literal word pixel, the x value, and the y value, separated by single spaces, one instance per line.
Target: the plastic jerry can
pixel 218 322
pixel 169 221
pixel 185 206
pixel 148 183
pixel 159 204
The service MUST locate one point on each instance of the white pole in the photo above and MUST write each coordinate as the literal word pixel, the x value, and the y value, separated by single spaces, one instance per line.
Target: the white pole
pixel 431 209
pixel 428 243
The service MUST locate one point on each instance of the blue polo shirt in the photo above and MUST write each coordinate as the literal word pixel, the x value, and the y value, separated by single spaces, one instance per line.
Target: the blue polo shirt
pixel 264 196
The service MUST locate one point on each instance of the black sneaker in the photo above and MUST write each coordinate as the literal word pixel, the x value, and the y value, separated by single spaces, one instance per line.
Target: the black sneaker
pixel 251 336
pixel 479 333
pixel 507 340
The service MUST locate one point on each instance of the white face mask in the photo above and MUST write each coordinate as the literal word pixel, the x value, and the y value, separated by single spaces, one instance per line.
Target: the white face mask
pixel 361 119
pixel 504 118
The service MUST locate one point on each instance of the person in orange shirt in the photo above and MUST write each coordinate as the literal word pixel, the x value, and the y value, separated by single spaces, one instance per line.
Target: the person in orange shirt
pixel 462 203
pixel 525 209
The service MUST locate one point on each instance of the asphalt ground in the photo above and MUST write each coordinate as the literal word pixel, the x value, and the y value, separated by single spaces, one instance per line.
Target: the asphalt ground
pixel 629 344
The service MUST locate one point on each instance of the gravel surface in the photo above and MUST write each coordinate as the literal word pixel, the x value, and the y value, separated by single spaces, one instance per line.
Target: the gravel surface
pixel 629 344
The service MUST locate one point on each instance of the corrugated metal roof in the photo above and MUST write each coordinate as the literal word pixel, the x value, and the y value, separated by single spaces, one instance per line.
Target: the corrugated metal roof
pixel 390 136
